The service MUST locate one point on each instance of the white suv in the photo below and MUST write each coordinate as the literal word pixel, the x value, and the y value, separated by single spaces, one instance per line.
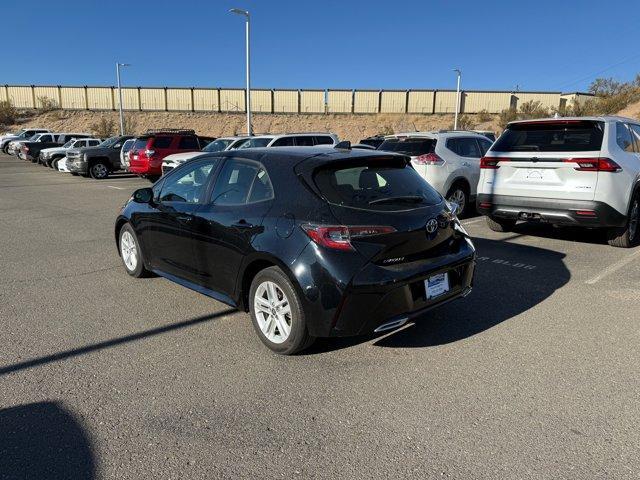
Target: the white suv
pixel 567 171
pixel 448 159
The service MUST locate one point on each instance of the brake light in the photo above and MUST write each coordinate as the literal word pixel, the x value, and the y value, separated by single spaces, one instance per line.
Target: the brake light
pixel 429 159
pixel 491 163
pixel 338 237
pixel 25 148
pixel 595 164
pixel 586 213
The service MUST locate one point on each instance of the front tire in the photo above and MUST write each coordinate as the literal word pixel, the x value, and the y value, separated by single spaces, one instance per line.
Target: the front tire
pixel 130 252
pixel 277 314
pixel 99 171
pixel 500 225
pixel 629 235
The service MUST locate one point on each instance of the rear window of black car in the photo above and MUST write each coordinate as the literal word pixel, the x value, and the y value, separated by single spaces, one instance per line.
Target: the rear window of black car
pixel 409 145
pixel 141 143
pixel 375 184
pixel 561 136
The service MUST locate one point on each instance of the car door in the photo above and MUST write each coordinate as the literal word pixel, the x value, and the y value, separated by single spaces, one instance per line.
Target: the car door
pixel 229 224
pixel 467 160
pixel 169 228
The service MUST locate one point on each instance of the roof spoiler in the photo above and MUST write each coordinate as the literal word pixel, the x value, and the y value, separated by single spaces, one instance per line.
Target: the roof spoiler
pixel 344 145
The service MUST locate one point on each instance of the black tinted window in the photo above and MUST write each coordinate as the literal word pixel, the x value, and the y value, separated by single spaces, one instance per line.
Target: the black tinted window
pixel 283 142
pixel 560 136
pixel 188 185
pixel 235 182
pixel 255 143
pixel 261 189
pixel 465 147
pixel 378 184
pixel 304 141
pixel 623 137
pixel 162 142
pixel 323 140
pixel 484 145
pixel 217 145
pixel 409 146
pixel 189 143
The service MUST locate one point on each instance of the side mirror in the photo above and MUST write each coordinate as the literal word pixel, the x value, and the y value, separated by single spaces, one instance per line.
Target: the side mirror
pixel 142 195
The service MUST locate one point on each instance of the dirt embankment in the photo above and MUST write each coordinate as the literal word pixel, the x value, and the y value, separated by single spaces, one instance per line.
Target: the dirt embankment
pixel 347 127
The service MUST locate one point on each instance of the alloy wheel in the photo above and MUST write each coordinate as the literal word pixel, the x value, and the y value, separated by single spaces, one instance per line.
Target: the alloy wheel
pixel 459 198
pixel 129 251
pixel 99 170
pixel 273 312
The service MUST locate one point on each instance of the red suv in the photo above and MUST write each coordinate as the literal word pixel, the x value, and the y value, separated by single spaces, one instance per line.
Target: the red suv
pixel 148 151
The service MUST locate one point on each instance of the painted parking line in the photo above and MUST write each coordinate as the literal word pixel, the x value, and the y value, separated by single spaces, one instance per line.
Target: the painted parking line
pixel 117 188
pixel 614 268
pixel 506 263
pixel 469 222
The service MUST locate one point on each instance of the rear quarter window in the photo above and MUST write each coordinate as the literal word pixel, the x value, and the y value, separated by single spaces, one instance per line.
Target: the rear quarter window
pixel 567 136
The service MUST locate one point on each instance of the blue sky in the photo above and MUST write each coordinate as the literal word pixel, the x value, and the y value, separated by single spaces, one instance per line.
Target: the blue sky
pixel 536 45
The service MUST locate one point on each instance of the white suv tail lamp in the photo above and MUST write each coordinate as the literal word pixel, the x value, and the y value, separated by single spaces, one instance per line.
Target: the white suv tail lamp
pixel 429 159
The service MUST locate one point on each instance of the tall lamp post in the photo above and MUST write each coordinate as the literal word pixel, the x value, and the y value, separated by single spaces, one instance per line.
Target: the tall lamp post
pixel 118 65
pixel 248 95
pixel 455 118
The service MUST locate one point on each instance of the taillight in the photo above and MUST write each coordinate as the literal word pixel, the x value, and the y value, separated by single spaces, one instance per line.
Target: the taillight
pixel 338 237
pixel 25 148
pixel 595 164
pixel 491 163
pixel 429 159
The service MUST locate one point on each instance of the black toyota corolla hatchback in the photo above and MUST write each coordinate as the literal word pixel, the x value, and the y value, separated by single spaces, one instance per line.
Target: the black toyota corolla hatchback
pixel 313 242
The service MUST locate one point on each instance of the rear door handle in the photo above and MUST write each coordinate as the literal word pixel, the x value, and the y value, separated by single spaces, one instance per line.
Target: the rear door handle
pixel 242 224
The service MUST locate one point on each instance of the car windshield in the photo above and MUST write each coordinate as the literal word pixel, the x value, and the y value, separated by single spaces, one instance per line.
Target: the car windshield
pixel 35 137
pixel 217 145
pixel 557 136
pixel 68 144
pixel 412 146
pixel 109 142
pixel 376 184
pixel 255 143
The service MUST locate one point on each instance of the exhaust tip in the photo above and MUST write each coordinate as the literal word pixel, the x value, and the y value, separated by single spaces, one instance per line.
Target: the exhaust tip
pixel 392 324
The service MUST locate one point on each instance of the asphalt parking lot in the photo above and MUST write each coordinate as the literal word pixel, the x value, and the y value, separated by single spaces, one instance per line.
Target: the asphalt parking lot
pixel 534 375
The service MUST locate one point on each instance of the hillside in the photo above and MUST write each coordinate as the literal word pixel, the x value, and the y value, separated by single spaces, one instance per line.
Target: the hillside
pixel 348 127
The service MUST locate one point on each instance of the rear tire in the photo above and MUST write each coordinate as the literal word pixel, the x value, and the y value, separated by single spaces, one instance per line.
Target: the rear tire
pixel 500 225
pixel 131 253
pixel 629 235
pixel 268 288
pixel 459 194
pixel 99 170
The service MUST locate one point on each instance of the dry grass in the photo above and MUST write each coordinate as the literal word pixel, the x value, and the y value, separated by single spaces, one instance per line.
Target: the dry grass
pixel 347 127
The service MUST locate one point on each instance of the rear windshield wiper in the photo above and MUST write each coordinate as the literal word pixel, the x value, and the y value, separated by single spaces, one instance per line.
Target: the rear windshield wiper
pixel 405 199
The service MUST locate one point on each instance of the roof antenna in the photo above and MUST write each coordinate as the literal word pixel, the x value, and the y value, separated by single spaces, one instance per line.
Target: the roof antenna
pixel 345 145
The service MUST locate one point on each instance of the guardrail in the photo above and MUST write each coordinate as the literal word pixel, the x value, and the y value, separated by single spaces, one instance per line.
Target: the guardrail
pixel 275 100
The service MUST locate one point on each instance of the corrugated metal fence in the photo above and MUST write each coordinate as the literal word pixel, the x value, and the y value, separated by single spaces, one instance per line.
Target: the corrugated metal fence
pixel 274 101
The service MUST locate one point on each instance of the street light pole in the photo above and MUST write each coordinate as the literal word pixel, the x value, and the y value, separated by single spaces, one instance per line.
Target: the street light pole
pixel 455 118
pixel 248 57
pixel 118 65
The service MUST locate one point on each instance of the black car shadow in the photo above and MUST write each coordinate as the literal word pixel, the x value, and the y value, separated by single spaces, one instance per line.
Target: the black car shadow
pixel 44 441
pixel 510 279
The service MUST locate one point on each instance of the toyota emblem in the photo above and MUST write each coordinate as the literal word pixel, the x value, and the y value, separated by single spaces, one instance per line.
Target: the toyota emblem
pixel 432 225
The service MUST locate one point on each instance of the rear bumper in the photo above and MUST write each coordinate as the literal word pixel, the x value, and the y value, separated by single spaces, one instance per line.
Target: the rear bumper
pixel 368 307
pixel 554 211
pixel 145 167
